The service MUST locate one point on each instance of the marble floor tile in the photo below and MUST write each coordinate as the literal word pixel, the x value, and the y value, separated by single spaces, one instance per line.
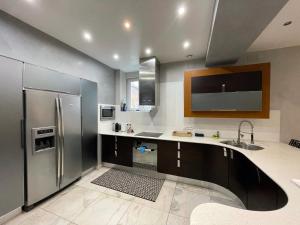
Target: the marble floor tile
pixel 119 194
pixel 218 194
pixel 138 214
pixel 163 201
pixel 185 201
pixel 108 210
pixel 225 201
pixel 193 188
pixel 177 220
pixel 169 183
pixel 37 217
pixel 72 203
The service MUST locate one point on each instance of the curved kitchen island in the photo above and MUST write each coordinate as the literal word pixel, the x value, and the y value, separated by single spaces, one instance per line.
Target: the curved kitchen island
pixel 261 179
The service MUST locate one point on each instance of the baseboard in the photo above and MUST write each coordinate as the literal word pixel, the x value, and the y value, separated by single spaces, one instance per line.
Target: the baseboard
pixel 10 215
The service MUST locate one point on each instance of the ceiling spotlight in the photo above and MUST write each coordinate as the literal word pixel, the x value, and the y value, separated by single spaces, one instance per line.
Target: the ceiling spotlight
pixel 127 25
pixel 148 51
pixel 189 56
pixel 30 1
pixel 181 11
pixel 186 44
pixel 87 36
pixel 287 23
pixel 116 57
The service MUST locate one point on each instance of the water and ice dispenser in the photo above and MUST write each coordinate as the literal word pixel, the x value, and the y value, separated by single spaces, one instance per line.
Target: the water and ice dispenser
pixel 43 139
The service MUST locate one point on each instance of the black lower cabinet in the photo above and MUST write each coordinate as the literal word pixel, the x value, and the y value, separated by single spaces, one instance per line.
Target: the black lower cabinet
pixel 124 151
pixel 191 160
pixel 261 190
pixel 117 150
pixel 238 174
pixel 204 162
pixel 167 157
pixel 108 149
pixel 282 198
pixel 215 166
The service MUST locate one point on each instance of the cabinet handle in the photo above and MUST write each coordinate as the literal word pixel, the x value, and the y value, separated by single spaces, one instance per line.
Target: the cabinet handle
pixel 225 152
pixel 231 154
pixel 258 175
pixel 178 163
pixel 178 145
pixel 116 154
pixel 178 154
pixel 116 138
pixel 116 146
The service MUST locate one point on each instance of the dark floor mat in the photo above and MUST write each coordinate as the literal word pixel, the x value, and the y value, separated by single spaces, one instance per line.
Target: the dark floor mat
pixel 133 184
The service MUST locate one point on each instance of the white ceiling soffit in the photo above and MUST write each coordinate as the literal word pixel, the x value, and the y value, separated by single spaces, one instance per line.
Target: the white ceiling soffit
pixel 278 36
pixel 154 24
pixel 236 25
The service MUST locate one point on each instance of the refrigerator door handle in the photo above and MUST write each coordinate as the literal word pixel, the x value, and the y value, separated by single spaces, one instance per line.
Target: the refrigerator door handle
pixel 58 141
pixel 62 137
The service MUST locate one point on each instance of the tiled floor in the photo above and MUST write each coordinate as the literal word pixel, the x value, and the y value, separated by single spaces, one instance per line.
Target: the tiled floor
pixel 88 204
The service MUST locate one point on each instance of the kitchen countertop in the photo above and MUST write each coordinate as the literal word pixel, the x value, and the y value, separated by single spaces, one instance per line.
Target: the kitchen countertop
pixel 279 161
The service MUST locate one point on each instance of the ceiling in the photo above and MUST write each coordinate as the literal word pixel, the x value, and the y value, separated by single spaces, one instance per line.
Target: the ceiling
pixel 154 24
pixel 278 36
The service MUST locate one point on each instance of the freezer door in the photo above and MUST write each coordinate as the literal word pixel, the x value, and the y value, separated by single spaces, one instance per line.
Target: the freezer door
pixel 41 162
pixel 11 152
pixel 71 132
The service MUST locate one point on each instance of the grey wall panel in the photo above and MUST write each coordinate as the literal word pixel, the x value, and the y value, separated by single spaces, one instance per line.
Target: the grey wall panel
pixel 89 123
pixel 36 77
pixel 11 153
pixel 25 43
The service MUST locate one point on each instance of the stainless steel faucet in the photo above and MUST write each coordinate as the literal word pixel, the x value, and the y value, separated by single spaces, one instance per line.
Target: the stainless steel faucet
pixel 240 132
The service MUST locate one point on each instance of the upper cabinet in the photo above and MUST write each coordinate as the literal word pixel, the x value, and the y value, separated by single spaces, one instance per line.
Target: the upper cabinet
pixel 228 92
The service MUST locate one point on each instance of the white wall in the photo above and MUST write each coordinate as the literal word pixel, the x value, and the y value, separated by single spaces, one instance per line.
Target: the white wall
pixel 170 114
pixel 25 43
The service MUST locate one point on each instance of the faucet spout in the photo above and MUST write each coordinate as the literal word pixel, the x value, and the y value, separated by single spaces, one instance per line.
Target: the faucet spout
pixel 239 131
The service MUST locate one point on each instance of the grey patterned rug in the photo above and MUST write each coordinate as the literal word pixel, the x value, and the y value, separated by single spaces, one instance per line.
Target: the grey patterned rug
pixel 133 184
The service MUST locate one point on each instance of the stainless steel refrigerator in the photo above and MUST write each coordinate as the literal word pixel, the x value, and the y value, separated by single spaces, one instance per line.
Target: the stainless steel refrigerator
pixel 53 143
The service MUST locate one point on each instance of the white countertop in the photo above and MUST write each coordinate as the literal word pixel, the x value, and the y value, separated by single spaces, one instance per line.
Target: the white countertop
pixel 279 161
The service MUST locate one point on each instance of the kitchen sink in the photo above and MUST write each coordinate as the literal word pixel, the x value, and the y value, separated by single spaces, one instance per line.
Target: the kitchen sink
pixel 243 145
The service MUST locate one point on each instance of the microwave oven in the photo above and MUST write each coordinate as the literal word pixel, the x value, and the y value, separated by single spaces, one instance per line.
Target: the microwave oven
pixel 107 112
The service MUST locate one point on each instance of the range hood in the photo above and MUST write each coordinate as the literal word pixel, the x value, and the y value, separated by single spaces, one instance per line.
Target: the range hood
pixel 149 82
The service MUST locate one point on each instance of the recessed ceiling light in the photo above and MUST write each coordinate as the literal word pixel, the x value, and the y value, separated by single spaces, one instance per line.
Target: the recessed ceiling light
pixel 148 51
pixel 116 57
pixel 30 1
pixel 287 23
pixel 189 56
pixel 87 36
pixel 181 11
pixel 186 44
pixel 127 25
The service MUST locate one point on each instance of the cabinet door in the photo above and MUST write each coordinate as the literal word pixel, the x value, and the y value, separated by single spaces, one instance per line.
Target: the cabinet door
pixel 281 198
pixel 262 191
pixel 167 156
pixel 108 149
pixel 215 165
pixel 192 160
pixel 205 162
pixel 11 152
pixel 124 151
pixel 238 174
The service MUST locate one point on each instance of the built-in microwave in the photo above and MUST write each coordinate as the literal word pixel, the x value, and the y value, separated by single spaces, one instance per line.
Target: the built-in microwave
pixel 107 112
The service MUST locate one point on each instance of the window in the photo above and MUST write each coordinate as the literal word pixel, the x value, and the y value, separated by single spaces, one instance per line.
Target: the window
pixel 132 94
